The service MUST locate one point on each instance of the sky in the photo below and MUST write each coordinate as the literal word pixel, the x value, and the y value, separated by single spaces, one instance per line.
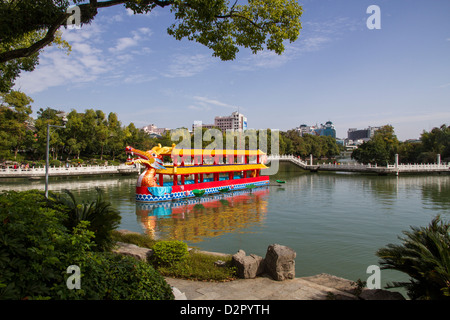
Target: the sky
pixel 338 70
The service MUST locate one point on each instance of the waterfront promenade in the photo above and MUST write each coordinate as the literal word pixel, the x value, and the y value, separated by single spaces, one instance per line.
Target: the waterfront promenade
pixel 67 171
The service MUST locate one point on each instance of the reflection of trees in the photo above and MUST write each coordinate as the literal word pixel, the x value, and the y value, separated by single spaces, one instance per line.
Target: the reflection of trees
pixel 206 217
pixel 436 190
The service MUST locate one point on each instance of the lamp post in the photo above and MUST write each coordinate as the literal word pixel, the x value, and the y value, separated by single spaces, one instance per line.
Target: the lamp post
pixel 47 152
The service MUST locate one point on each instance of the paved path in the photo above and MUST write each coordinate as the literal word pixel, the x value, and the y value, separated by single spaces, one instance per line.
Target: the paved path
pixel 320 287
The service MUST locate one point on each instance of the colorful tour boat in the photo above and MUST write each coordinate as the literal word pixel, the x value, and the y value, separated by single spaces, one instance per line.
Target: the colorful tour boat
pixel 195 172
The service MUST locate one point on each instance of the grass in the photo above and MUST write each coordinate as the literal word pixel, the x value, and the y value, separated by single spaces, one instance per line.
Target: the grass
pixel 198 266
pixel 141 240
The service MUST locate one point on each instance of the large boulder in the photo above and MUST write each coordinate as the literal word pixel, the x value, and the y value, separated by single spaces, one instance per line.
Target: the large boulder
pixel 280 262
pixel 248 267
pixel 380 294
pixel 132 250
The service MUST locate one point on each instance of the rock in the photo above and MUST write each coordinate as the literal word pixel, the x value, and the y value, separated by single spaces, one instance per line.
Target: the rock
pixel 248 267
pixel 280 262
pixel 134 251
pixel 380 294
pixel 220 263
pixel 178 295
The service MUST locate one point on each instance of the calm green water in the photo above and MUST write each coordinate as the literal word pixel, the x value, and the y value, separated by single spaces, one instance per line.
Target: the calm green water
pixel 335 222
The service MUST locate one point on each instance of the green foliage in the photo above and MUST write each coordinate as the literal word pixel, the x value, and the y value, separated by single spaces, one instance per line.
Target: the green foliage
pixel 15 113
pixel 103 218
pixel 107 276
pixel 200 267
pixel 437 141
pixel 425 256
pixel 319 146
pixel 381 149
pixel 141 240
pixel 36 248
pixel 169 252
pixel 258 25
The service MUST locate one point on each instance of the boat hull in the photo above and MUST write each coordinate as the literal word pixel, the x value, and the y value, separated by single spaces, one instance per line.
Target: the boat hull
pixel 158 194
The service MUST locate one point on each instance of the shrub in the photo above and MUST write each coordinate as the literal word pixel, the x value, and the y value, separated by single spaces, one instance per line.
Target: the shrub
pixel 169 252
pixel 35 247
pixel 425 256
pixel 109 276
pixel 103 217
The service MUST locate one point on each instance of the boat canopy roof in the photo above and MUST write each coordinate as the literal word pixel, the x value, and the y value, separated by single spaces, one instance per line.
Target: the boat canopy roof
pixel 211 152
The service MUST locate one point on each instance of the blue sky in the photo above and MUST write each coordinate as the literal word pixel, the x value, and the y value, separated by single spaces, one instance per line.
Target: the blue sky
pixel 337 70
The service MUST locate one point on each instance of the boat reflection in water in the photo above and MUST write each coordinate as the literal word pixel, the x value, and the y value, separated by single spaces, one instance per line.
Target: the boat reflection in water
pixel 205 217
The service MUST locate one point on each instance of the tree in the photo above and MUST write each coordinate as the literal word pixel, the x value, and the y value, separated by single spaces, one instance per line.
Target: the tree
pixel 437 141
pixel 381 149
pixel 216 24
pixel 15 110
pixel 10 70
pixel 425 257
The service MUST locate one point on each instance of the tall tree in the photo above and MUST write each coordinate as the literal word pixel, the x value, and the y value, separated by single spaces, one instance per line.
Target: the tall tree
pixel 217 24
pixel 381 149
pixel 15 110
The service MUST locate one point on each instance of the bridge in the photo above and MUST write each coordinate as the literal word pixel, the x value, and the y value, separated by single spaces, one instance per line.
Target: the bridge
pixel 395 168
pixel 35 173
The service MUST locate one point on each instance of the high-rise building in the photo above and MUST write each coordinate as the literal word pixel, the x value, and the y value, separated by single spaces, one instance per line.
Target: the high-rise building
pixel 235 122
pixel 361 134
pixel 326 129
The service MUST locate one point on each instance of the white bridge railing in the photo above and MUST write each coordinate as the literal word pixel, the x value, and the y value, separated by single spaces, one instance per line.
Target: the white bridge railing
pixel 362 167
pixel 5 172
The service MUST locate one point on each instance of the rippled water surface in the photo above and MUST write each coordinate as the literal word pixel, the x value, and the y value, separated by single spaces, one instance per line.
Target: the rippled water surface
pixel 335 222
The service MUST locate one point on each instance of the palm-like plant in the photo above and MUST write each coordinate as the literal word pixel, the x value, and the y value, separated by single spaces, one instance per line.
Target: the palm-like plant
pixel 425 256
pixel 102 216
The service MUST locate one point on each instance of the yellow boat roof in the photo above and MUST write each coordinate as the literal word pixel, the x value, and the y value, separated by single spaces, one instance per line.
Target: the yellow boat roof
pixel 191 169
pixel 212 152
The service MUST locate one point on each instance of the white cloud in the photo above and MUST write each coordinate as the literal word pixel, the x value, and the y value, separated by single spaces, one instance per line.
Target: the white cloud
pixel 187 65
pixel 313 37
pixel 87 61
pixel 127 42
pixel 206 104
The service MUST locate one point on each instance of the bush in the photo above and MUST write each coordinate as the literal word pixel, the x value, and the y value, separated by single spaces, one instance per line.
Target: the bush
pixel 109 276
pixel 169 252
pixel 425 256
pixel 103 217
pixel 36 248
pixel 54 163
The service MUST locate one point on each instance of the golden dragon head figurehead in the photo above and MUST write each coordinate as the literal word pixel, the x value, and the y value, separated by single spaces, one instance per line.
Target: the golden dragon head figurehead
pixel 151 158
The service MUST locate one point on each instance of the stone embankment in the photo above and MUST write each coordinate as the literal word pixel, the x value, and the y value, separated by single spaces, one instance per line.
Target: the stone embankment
pixel 269 278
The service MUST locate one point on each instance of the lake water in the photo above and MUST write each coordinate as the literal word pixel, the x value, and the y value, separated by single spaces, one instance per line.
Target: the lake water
pixel 335 222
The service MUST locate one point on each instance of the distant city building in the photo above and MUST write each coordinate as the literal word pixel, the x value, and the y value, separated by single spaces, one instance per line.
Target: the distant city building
pixel 304 129
pixel 326 129
pixel 235 122
pixel 361 134
pixel 153 130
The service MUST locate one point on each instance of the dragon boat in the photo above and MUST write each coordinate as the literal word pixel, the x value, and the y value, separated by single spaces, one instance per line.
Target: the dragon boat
pixel 195 172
